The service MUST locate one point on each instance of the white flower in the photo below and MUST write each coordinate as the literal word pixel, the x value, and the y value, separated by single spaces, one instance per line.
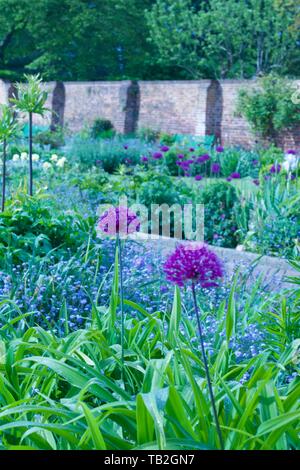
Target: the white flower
pixel 54 158
pixel 47 166
pixel 16 157
pixel 61 162
pixel 290 162
pixel 24 156
pixel 35 157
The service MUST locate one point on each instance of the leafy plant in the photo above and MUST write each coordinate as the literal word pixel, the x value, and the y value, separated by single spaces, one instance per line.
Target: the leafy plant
pixel 8 129
pixel 269 107
pixel 30 98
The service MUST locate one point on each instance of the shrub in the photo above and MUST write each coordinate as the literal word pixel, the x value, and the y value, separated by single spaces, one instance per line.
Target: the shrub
pixel 270 108
pixel 102 128
pixel 54 139
pixel 220 223
pixel 30 226
pixel 147 134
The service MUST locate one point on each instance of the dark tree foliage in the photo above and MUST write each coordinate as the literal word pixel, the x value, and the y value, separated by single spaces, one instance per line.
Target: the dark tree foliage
pixel 117 39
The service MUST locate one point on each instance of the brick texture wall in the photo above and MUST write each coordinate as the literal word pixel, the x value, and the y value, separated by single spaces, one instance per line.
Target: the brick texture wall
pixel 197 107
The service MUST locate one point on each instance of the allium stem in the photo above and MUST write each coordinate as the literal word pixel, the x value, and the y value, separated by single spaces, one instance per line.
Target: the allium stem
pixel 122 302
pixel 211 394
pixel 3 176
pixel 30 157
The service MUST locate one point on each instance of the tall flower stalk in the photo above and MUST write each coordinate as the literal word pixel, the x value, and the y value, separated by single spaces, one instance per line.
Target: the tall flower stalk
pixel 8 128
pixel 30 98
pixel 119 222
pixel 196 264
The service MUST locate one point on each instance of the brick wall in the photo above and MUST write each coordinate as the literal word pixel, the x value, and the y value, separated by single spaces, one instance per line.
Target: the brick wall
pixel 197 107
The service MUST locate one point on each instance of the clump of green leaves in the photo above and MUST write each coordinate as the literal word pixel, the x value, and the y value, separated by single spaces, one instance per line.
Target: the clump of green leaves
pixel 269 107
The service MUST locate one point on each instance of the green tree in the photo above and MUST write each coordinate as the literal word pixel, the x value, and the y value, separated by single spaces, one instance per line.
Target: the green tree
pixel 224 39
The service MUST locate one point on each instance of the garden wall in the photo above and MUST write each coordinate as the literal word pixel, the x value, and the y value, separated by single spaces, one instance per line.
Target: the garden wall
pixel 200 107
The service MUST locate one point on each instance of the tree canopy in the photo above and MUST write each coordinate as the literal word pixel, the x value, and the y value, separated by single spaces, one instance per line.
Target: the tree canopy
pixel 148 39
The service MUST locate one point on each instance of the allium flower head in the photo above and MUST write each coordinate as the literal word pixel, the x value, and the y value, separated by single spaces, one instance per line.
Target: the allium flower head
pixel 198 177
pixel 180 156
pixel 191 262
pixel 157 155
pixel 164 148
pixel 215 168
pixel 229 178
pixel 291 152
pixel 144 159
pixel 219 149
pixel 118 220
pixel 203 158
pixel 235 175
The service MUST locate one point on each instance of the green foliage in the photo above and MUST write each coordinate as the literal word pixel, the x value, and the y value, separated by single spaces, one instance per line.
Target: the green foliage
pixel 274 221
pixel 8 125
pixel 225 39
pixel 102 128
pixel 73 386
pixel 29 97
pixel 220 201
pixel 149 135
pixel 54 138
pixel 269 107
pixel 30 227
pixel 153 191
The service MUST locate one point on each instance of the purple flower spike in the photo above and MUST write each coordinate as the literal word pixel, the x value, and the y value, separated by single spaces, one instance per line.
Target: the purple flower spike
pixel 215 168
pixel 193 262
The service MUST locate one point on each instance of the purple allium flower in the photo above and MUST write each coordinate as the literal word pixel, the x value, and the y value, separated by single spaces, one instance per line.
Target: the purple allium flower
pixel 180 156
pixel 193 262
pixel 255 162
pixel 215 168
pixel 164 148
pixel 291 152
pixel 125 147
pixel 192 149
pixel 229 178
pixel 144 159
pixel 198 177
pixel 219 149
pixel 235 175
pixel 203 158
pixel 118 220
pixel 256 182
pixel 157 155
pixel 275 168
